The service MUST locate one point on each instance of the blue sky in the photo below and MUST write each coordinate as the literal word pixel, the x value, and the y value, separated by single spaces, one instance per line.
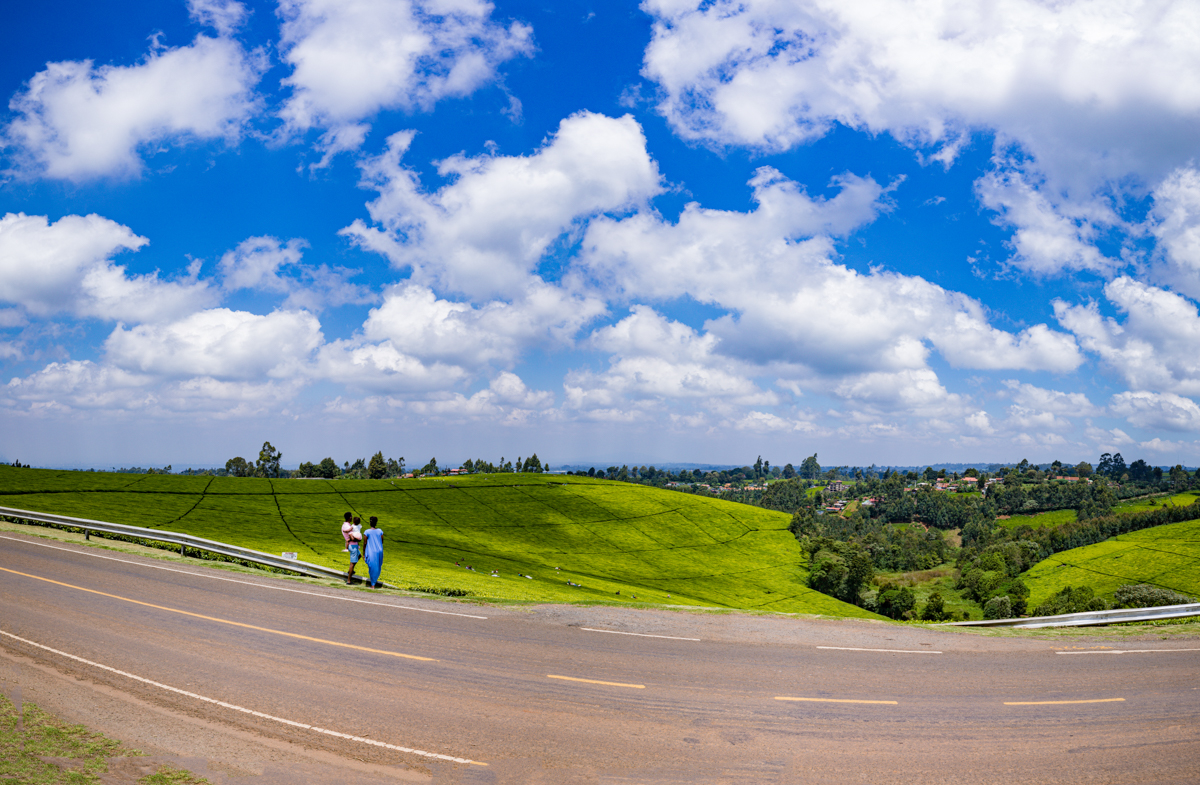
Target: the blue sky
pixel 883 232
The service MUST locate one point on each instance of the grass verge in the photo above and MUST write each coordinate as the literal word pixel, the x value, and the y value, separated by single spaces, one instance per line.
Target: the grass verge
pixel 38 749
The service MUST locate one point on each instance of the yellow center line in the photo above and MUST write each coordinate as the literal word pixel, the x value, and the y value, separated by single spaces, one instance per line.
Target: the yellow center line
pixel 593 681
pixel 1060 703
pixel 835 700
pixel 225 621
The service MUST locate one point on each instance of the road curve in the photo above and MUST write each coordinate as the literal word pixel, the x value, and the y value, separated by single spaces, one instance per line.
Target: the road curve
pixel 408 689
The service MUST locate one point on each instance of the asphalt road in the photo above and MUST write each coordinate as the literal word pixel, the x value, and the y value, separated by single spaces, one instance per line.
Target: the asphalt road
pixel 380 687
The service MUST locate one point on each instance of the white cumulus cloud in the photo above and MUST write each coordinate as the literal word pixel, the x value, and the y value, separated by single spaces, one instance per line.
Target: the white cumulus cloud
pixel 496 332
pixel 270 265
pixel 507 400
pixel 655 360
pixel 65 266
pixel 1176 224
pixel 224 16
pixel 76 121
pixel 1103 86
pixel 220 343
pixel 1157 410
pixel 1048 238
pixel 789 301
pixel 485 232
pixel 1154 348
pixel 384 368
pixel 1041 399
pixel 1096 98
pixel 353 58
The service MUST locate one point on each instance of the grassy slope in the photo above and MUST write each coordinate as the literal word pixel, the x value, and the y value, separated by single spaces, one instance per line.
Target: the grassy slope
pixel 1167 556
pixel 604 535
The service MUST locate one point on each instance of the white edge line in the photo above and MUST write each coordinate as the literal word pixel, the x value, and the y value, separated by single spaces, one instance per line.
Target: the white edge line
pixel 889 651
pixel 87 552
pixel 640 634
pixel 243 709
pixel 1124 651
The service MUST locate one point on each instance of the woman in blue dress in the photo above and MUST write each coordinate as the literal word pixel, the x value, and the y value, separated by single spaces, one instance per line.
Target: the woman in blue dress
pixel 373 551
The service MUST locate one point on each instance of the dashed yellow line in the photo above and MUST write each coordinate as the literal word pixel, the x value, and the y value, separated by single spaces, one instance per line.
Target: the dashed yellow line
pixel 225 621
pixel 593 681
pixel 1061 703
pixel 835 700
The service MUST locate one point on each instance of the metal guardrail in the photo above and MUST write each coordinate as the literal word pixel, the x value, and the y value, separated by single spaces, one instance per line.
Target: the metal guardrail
pixel 183 541
pixel 1090 618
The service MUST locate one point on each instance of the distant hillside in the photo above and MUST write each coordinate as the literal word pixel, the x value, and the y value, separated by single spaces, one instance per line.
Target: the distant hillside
pixel 1166 556
pixel 606 536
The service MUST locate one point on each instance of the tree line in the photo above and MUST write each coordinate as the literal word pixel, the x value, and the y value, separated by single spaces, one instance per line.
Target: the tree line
pixel 376 468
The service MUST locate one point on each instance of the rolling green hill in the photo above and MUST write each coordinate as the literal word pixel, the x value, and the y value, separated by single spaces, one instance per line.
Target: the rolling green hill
pixel 1166 556
pixel 606 536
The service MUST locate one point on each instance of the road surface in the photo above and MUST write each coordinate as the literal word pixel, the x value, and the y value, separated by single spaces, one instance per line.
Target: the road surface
pixel 314 682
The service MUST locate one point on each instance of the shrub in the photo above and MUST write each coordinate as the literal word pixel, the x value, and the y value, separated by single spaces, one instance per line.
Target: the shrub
pixel 839 569
pixel 935 608
pixel 895 602
pixel 1143 595
pixel 1071 600
pixel 445 592
pixel 998 608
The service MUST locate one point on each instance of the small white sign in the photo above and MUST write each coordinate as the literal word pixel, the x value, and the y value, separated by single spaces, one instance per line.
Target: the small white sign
pixel 293 555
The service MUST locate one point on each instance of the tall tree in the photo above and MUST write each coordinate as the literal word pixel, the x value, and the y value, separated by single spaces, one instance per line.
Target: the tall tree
pixel 377 468
pixel 809 468
pixel 1118 466
pixel 267 464
pixel 328 469
pixel 238 467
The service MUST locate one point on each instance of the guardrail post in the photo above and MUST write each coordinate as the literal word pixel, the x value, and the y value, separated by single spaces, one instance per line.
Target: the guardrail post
pixel 87 534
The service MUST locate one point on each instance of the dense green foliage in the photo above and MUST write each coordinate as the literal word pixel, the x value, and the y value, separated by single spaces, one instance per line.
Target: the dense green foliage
pixel 935 608
pixel 787 496
pixel 605 536
pixel 895 602
pixel 890 548
pixel 1077 599
pixel 1143 595
pixel 839 569
pixel 999 607
pixel 1091 500
pixel 994 573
